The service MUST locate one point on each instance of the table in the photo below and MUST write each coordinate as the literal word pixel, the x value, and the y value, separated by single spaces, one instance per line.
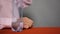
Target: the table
pixel 35 30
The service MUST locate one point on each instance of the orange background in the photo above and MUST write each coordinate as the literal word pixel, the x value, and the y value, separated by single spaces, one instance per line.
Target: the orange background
pixel 40 30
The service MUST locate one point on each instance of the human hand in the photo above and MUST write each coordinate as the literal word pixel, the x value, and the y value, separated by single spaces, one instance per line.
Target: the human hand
pixel 26 22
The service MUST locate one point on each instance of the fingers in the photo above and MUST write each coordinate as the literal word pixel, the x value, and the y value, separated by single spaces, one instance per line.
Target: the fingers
pixel 26 26
pixel 27 22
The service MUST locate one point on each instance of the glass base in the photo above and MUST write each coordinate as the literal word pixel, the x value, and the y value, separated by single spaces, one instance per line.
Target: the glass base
pixel 17 27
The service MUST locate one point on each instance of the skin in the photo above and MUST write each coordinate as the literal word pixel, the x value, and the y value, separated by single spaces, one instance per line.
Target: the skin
pixel 27 22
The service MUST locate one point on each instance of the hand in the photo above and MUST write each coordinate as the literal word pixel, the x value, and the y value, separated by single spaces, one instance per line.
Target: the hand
pixel 27 23
pixel 27 3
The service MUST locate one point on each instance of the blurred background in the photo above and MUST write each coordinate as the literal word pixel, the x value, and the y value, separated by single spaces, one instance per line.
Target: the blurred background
pixel 44 13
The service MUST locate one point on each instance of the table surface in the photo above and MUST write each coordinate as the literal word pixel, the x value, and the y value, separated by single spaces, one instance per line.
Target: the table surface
pixel 38 30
